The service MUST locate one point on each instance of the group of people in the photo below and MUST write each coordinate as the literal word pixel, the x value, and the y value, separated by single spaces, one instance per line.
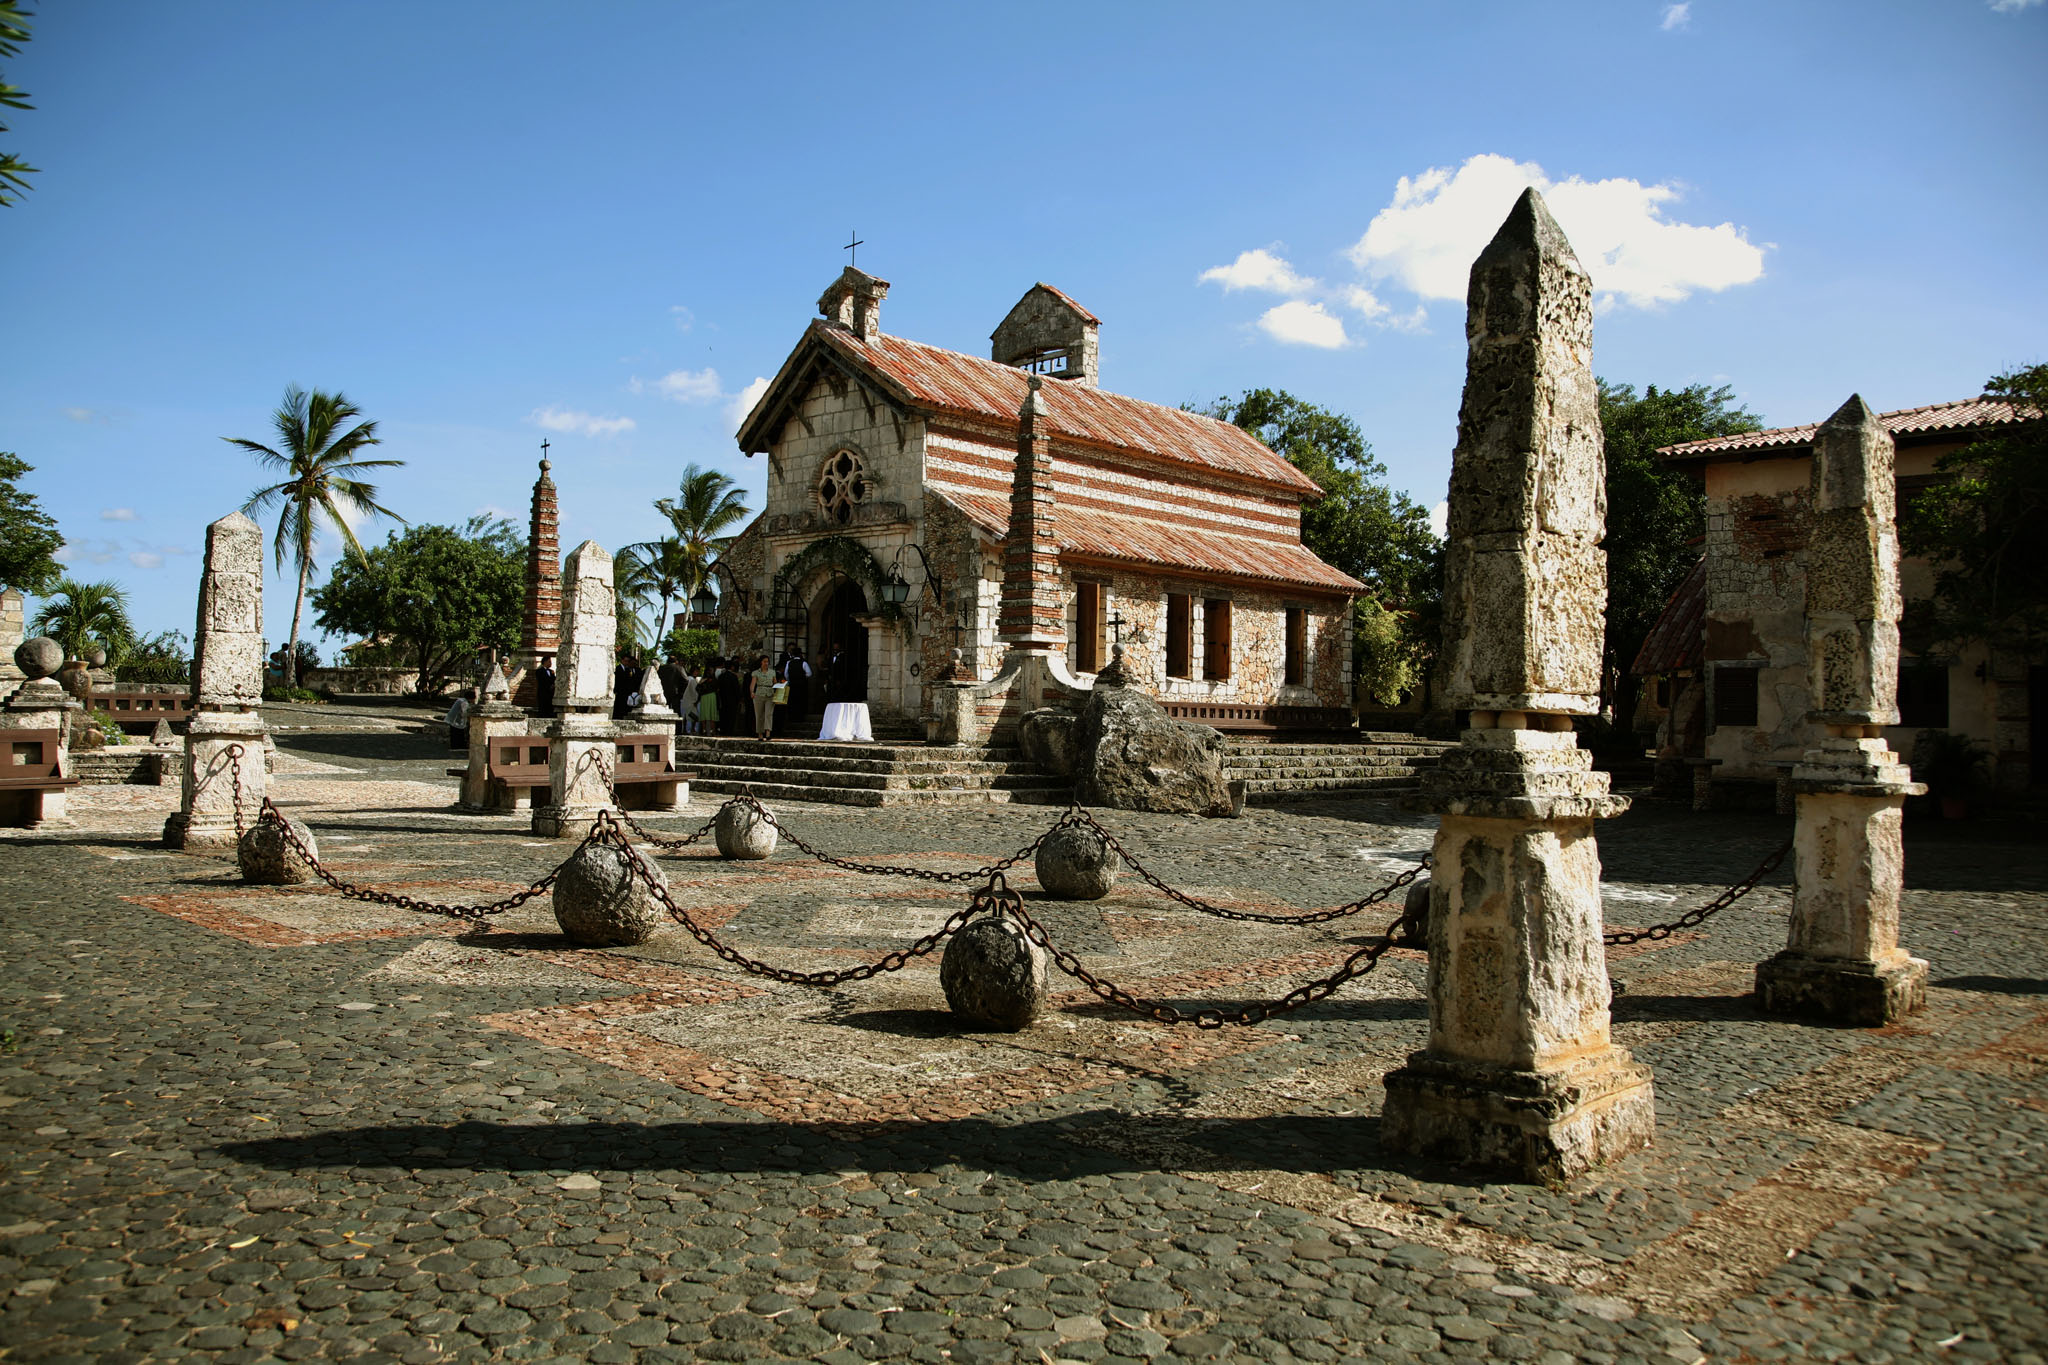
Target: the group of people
pixel 722 697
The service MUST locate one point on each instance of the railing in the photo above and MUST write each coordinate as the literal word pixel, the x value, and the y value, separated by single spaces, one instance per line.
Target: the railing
pixel 1252 716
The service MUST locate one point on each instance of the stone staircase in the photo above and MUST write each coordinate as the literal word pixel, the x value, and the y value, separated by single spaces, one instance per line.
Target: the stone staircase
pixel 124 765
pixel 878 774
pixel 1377 764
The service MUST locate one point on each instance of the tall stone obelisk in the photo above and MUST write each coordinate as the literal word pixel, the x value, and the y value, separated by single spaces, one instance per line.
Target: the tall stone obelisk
pixel 583 741
pixel 1520 1073
pixel 227 692
pixel 1843 961
pixel 540 621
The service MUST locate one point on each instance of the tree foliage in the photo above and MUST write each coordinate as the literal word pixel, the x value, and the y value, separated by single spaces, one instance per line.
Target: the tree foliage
pixel 440 593
pixel 707 505
pixel 1361 526
pixel 1655 515
pixel 164 657
pixel 1984 526
pixel 320 462
pixel 690 646
pixel 14 172
pixel 81 615
pixel 28 537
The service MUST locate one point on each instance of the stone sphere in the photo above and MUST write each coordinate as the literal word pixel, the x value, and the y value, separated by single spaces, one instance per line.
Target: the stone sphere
pixel 96 656
pixel 742 832
pixel 267 859
pixel 39 658
pixel 1076 864
pixel 994 976
pixel 601 902
pixel 1414 930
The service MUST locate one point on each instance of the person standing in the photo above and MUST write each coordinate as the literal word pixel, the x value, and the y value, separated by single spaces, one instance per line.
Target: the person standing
pixel 707 700
pixel 544 686
pixel 671 675
pixel 458 722
pixel 625 679
pixel 687 708
pixel 761 687
pixel 796 671
pixel 734 717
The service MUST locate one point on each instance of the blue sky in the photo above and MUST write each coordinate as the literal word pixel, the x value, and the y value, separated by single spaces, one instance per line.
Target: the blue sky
pixel 487 223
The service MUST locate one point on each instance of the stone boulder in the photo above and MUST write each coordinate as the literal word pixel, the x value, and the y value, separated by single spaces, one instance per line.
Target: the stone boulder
pixel 1050 738
pixel 1076 864
pixel 1133 756
pixel 267 858
pixel 745 833
pixel 602 902
pixel 994 976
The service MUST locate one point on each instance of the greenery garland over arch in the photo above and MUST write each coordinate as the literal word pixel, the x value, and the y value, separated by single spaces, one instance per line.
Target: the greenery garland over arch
pixel 844 555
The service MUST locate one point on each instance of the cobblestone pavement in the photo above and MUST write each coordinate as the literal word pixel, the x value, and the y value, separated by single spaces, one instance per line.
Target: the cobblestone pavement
pixel 246 1124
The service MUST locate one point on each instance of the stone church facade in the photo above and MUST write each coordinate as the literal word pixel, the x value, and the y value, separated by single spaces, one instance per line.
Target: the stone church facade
pixel 1172 534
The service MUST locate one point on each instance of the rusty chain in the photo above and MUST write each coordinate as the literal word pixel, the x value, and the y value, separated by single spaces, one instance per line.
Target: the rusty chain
pixel 1080 818
pixel 1702 914
pixel 659 841
pixel 475 913
pixel 747 799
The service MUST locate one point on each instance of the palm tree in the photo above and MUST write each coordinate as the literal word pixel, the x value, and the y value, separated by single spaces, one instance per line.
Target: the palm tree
pixel 710 505
pixel 320 463
pixel 631 584
pixel 80 615
pixel 661 570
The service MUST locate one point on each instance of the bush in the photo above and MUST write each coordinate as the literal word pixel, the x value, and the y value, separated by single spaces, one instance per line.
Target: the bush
pixel 276 692
pixel 109 727
pixel 157 670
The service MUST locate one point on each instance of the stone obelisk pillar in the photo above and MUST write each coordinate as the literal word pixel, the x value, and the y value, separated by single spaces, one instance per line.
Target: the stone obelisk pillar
pixel 1843 962
pixel 1520 1072
pixel 227 691
pixel 540 622
pixel 492 720
pixel 582 742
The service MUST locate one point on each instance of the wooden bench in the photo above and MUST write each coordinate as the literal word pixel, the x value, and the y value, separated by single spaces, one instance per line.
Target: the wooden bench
pixel 517 764
pixel 137 710
pixel 32 783
pixel 646 777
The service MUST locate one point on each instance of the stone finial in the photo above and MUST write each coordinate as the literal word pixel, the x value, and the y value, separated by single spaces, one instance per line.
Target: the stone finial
pixel 39 657
pixel 495 686
pixel 1852 572
pixel 589 631
pixel 228 642
pixel 1525 577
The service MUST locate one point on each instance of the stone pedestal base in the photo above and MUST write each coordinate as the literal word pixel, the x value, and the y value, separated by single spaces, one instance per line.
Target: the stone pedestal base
pixel 1536 1125
pixel 1841 990
pixel 490 724
pixel 582 752
pixel 206 815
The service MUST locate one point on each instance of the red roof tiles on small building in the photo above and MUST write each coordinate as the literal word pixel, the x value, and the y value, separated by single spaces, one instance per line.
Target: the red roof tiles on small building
pixel 1931 421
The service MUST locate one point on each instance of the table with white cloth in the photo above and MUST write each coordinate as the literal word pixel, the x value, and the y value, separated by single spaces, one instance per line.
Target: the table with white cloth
pixel 846 720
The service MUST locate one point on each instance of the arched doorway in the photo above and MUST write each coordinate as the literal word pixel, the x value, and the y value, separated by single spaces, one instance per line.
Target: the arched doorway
pixel 834 621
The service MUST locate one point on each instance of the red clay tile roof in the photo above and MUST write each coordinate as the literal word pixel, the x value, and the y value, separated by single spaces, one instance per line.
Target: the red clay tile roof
pixel 1678 640
pixel 1930 420
pixel 1136 540
pixel 938 380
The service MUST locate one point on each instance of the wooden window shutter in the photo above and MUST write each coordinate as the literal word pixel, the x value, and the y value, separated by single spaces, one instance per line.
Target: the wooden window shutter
pixel 1216 639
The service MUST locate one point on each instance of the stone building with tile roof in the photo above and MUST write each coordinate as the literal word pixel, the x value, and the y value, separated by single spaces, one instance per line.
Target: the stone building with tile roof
pixel 1177 535
pixel 1747 614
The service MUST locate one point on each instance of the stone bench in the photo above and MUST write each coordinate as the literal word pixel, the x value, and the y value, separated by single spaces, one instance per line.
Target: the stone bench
pixel 32 781
pixel 646 773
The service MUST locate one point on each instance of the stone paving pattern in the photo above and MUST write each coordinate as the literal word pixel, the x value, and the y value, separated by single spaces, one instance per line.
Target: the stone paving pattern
pixel 261 1123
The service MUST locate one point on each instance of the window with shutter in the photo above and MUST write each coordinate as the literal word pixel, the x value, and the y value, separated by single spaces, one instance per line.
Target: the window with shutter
pixel 1091 625
pixel 1180 629
pixel 1296 671
pixel 1216 639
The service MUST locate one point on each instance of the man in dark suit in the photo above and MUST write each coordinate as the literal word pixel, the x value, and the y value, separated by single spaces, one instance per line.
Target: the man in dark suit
pixel 544 686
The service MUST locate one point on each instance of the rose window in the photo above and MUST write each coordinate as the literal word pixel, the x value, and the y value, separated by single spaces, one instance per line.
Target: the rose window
pixel 843 486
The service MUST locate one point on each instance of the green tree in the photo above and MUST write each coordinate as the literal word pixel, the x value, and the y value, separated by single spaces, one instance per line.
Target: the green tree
pixel 439 593
pixel 1361 526
pixel 658 570
pixel 14 172
pixel 707 507
pixel 320 462
pixel 633 582
pixel 1984 526
pixel 28 537
pixel 80 615
pixel 1655 515
pixel 690 646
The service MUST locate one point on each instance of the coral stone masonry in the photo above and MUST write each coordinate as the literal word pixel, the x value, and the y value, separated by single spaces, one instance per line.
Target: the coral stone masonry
pixel 227 690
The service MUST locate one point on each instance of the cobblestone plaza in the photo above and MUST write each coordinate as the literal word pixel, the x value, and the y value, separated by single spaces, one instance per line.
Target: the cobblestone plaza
pixel 251 1123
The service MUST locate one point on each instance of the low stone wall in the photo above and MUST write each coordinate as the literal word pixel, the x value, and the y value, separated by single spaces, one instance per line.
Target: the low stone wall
pixel 375 681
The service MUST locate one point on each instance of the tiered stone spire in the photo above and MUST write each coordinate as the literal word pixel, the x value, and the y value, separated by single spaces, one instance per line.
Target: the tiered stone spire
pixel 1032 615
pixel 1520 1072
pixel 540 623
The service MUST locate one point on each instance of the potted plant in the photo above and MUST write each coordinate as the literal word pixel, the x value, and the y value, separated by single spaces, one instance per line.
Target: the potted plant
pixel 1955 768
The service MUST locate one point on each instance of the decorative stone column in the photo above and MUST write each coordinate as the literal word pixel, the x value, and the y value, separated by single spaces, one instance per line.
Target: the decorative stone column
pixel 653 713
pixel 39 703
pixel 1843 962
pixel 227 692
pixel 491 720
pixel 1520 1073
pixel 582 742
pixel 540 622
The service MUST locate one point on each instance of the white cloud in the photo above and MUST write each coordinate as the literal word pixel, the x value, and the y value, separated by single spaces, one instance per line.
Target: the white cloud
pixel 1258 269
pixel 689 386
pixel 743 402
pixel 64 553
pixel 684 318
pixel 1426 239
pixel 2012 6
pixel 117 514
pixel 579 423
pixel 1677 16
pixel 80 414
pixel 1440 519
pixel 1300 323
pixel 1374 310
pixel 145 559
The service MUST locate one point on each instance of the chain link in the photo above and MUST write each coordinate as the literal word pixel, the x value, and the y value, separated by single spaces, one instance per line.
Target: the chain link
pixel 1702 914
pixel 886 870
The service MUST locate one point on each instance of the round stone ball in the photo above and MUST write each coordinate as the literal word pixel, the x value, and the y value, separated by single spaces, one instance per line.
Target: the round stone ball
pixel 601 902
pixel 1077 864
pixel 1414 930
pixel 38 658
pixel 994 976
pixel 744 832
pixel 268 859
pixel 96 656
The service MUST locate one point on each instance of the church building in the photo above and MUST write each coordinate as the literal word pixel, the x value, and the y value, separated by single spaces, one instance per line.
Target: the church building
pixel 903 525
